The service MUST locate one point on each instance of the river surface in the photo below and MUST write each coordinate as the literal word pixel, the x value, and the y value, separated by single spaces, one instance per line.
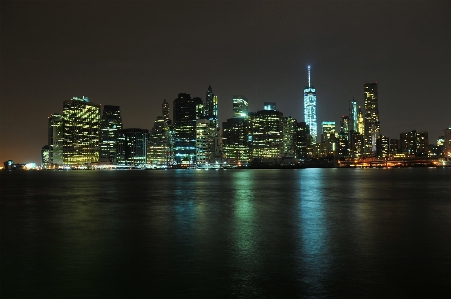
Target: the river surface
pixel 318 233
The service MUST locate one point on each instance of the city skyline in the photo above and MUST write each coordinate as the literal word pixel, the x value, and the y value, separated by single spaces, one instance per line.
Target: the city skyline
pixel 405 48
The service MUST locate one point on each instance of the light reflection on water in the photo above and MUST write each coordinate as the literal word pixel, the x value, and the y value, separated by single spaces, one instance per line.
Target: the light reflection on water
pixel 227 233
pixel 314 254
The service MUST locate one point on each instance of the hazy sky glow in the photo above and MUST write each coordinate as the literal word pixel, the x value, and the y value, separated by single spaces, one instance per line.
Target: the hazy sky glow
pixel 135 54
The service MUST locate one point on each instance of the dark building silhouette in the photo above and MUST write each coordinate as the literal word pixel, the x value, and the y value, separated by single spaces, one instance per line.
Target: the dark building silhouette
pixel 186 111
pixel 110 123
pixel 132 147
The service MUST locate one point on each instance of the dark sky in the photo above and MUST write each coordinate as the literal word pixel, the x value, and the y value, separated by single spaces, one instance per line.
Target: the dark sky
pixel 135 54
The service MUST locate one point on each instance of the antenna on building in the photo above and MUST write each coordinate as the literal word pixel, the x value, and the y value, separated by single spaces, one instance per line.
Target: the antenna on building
pixel 308 68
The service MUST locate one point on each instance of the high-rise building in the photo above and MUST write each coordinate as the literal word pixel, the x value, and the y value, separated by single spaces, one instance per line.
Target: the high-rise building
pixel 165 111
pixel 394 147
pixel 211 106
pixel 372 124
pixel 111 122
pixel 302 141
pixel 81 131
pixel 205 138
pixel 328 138
pixel 289 130
pixel 328 130
pixel 266 129
pixel 55 140
pixel 414 143
pixel 343 137
pixel 186 111
pixel 159 148
pixel 382 146
pixel 211 114
pixel 132 147
pixel 235 140
pixel 353 116
pixel 240 106
pixel 360 121
pixel 310 108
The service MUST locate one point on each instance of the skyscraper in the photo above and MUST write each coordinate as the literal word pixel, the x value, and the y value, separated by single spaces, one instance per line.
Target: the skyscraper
pixel 81 131
pixel 211 106
pixel 132 147
pixel 310 108
pixel 159 149
pixel 110 123
pixel 372 125
pixel 266 129
pixel 55 140
pixel 353 117
pixel 186 111
pixel 235 140
pixel 211 114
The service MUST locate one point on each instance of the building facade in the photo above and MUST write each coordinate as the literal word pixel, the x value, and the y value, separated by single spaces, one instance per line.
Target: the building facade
pixel 55 140
pixel 81 131
pixel 266 129
pixel 110 123
pixel 132 147
pixel 310 109
pixel 186 111
pixel 372 124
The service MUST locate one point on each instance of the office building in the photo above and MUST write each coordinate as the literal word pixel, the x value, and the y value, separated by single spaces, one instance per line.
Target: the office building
pixel 81 132
pixel 266 129
pixel 159 148
pixel 372 125
pixel 394 147
pixel 132 147
pixel 110 123
pixel 235 141
pixel 289 132
pixel 205 140
pixel 360 121
pixel 55 141
pixel 382 146
pixel 303 149
pixel 186 111
pixel 211 107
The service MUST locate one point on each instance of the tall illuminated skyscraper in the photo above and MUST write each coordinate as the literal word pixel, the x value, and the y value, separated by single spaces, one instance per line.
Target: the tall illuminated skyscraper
pixel 81 131
pixel 372 125
pixel 310 108
pixel 353 119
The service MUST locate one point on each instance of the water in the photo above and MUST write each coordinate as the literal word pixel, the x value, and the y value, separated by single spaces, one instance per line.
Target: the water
pixel 337 233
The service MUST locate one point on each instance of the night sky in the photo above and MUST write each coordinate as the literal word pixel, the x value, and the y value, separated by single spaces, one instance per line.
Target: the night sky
pixel 136 54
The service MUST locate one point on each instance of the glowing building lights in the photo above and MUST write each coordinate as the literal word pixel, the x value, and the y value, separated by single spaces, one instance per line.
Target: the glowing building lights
pixel 372 125
pixel 310 108
pixel 81 131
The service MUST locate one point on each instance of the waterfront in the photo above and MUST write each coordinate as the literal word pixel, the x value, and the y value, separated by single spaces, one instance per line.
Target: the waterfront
pixel 226 233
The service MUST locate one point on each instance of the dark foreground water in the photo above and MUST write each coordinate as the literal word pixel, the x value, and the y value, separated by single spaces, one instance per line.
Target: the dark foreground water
pixel 348 233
